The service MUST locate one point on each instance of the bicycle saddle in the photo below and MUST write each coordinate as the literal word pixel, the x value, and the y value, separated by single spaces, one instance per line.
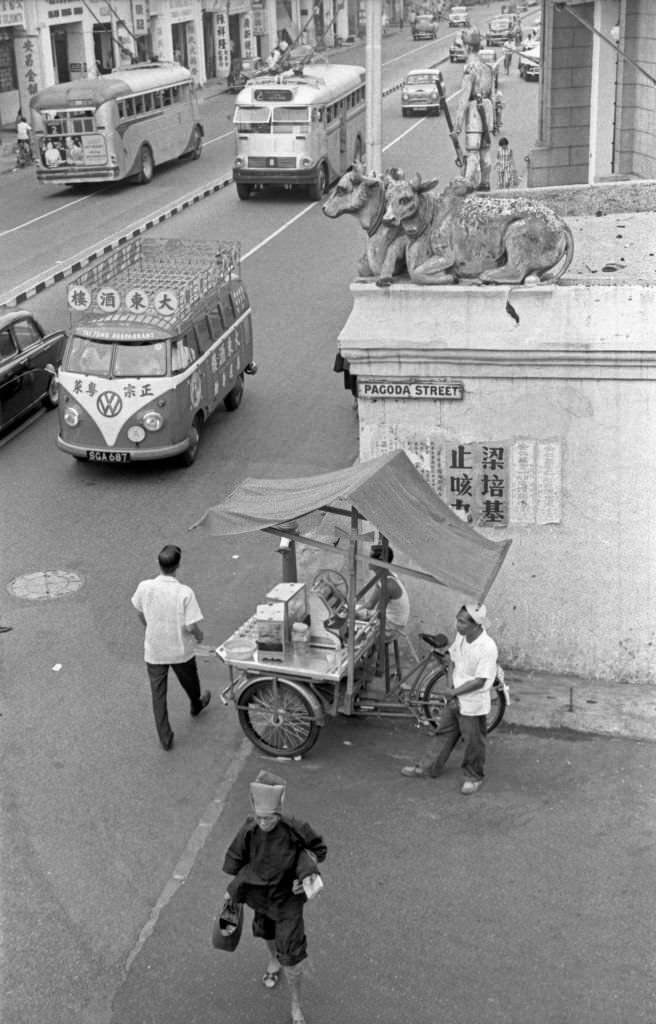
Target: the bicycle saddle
pixel 437 640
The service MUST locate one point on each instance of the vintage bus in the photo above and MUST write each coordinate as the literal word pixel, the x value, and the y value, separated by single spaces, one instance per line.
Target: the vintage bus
pixel 303 127
pixel 119 126
pixel 161 337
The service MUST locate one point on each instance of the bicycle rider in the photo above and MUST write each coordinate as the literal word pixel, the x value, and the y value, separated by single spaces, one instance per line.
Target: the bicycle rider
pixel 23 143
pixel 472 668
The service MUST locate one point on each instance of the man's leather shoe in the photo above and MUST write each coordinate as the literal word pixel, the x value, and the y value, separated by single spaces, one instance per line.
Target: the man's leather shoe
pixel 169 745
pixel 205 698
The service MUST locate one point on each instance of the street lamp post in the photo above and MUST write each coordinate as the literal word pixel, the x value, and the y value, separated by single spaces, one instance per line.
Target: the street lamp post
pixel 374 86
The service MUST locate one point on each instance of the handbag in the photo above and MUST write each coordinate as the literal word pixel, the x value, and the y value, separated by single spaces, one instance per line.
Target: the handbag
pixel 306 866
pixel 228 923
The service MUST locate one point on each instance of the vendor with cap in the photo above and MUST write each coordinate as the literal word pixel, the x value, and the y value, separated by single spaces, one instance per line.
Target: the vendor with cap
pixel 472 668
pixel 264 857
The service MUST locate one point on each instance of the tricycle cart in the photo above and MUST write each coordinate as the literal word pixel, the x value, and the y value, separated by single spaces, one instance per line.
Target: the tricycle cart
pixel 313 652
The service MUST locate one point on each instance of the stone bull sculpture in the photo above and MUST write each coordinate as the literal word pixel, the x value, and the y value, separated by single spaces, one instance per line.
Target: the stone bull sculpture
pixel 364 196
pixel 493 239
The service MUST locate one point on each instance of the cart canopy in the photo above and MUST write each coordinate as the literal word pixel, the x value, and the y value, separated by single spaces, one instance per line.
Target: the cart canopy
pixel 390 493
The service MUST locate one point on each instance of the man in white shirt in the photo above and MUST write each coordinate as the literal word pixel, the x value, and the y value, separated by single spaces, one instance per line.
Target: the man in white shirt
pixel 172 617
pixel 472 668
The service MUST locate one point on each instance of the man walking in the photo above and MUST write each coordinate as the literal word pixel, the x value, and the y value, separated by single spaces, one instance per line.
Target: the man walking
pixel 472 669
pixel 172 617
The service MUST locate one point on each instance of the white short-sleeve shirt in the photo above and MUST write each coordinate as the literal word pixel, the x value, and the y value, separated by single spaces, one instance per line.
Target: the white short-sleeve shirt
pixel 475 660
pixel 167 606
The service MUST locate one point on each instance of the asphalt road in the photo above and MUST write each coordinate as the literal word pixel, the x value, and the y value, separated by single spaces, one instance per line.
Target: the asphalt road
pixel 94 815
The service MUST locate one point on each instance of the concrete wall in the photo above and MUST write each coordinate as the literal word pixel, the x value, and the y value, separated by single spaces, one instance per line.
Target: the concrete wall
pixel 566 394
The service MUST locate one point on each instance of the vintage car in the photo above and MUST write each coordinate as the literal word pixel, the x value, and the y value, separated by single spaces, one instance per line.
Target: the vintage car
pixel 419 92
pixel 459 17
pixel 29 359
pixel 457 51
pixel 242 70
pixel 502 28
pixel 529 64
pixel 425 27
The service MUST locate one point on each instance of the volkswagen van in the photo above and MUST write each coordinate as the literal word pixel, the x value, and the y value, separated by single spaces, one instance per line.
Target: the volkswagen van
pixel 164 338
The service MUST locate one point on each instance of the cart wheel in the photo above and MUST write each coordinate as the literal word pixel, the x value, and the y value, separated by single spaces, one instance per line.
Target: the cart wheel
pixel 434 701
pixel 277 718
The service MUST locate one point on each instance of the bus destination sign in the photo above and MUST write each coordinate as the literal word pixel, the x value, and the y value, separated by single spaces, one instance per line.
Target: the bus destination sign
pixel 273 95
pixel 411 388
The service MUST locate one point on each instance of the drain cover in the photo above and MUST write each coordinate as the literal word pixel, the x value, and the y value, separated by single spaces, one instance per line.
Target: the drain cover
pixel 45 586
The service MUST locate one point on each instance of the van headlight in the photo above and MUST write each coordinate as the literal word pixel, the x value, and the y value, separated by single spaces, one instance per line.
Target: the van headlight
pixel 71 416
pixel 153 420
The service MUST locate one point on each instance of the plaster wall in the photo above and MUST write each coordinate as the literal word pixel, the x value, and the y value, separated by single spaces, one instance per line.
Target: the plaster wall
pixel 576 373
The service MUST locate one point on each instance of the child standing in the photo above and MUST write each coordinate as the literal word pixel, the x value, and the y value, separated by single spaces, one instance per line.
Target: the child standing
pixel 507 176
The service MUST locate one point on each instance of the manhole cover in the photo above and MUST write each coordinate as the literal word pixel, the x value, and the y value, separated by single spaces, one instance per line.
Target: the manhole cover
pixel 45 586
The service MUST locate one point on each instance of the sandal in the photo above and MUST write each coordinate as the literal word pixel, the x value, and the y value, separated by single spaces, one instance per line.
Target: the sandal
pixel 271 978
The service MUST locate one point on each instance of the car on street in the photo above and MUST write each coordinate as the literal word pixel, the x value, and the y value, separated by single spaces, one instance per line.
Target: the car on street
pixel 501 29
pixel 419 92
pixel 425 27
pixel 488 54
pixel 459 17
pixel 529 64
pixel 29 359
pixel 457 51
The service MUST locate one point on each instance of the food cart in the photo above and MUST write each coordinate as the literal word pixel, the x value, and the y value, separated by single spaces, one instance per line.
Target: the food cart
pixel 308 651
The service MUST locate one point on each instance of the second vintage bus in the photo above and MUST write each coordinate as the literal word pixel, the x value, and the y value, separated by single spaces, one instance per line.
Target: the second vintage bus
pixel 303 127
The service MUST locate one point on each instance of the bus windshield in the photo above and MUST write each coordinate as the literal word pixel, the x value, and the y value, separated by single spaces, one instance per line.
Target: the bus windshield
pixel 252 119
pixel 109 359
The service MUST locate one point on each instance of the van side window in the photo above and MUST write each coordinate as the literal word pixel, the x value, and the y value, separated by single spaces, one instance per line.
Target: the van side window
pixel 184 352
pixel 203 334
pixel 216 323
pixel 7 348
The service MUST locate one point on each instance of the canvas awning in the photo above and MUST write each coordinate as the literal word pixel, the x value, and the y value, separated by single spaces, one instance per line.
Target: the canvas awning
pixel 390 493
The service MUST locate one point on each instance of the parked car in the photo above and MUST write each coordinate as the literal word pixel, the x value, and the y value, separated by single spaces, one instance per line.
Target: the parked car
pixel 502 28
pixel 419 93
pixel 242 70
pixel 459 17
pixel 457 51
pixel 29 359
pixel 529 64
pixel 425 27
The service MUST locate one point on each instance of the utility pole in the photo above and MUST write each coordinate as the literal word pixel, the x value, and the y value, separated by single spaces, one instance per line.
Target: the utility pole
pixel 374 86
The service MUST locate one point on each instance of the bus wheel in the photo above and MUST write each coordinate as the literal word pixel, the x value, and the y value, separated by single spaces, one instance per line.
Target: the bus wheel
pixel 197 144
pixel 243 191
pixel 233 399
pixel 318 188
pixel 188 457
pixel 146 166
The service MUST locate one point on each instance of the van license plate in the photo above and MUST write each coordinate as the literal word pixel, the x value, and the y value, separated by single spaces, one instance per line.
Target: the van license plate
pixel 94 456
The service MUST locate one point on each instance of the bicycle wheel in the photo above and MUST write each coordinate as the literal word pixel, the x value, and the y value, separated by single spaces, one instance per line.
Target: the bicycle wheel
pixel 277 717
pixel 434 699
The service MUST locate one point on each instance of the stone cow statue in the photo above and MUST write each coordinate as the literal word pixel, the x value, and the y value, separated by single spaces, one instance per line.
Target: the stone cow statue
pixel 364 196
pixel 494 239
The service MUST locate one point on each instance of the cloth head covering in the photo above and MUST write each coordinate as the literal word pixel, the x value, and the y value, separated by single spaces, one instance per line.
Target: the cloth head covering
pixel 267 793
pixel 477 612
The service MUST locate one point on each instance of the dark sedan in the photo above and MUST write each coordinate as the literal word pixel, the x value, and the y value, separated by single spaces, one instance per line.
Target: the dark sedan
pixel 28 360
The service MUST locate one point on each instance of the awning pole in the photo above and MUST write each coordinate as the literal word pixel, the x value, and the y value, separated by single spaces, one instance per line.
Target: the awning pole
pixel 352 589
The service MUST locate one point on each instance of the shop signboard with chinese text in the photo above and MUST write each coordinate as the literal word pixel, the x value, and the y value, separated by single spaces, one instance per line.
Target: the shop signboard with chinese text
pixel 12 14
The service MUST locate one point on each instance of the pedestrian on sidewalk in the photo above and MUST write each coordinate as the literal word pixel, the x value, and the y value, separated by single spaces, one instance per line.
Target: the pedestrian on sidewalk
pixel 24 154
pixel 172 617
pixel 264 857
pixel 472 668
pixel 507 176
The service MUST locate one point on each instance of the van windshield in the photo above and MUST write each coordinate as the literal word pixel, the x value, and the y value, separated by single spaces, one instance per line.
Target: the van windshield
pixel 105 359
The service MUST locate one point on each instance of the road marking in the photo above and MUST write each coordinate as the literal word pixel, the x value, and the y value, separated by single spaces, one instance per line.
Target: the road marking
pixel 51 213
pixel 279 230
pixel 196 842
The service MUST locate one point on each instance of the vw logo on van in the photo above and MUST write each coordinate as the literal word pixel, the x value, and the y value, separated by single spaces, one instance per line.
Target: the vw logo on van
pixel 109 404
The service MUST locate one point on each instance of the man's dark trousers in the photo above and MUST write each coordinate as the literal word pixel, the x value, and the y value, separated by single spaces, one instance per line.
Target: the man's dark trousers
pixel 187 673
